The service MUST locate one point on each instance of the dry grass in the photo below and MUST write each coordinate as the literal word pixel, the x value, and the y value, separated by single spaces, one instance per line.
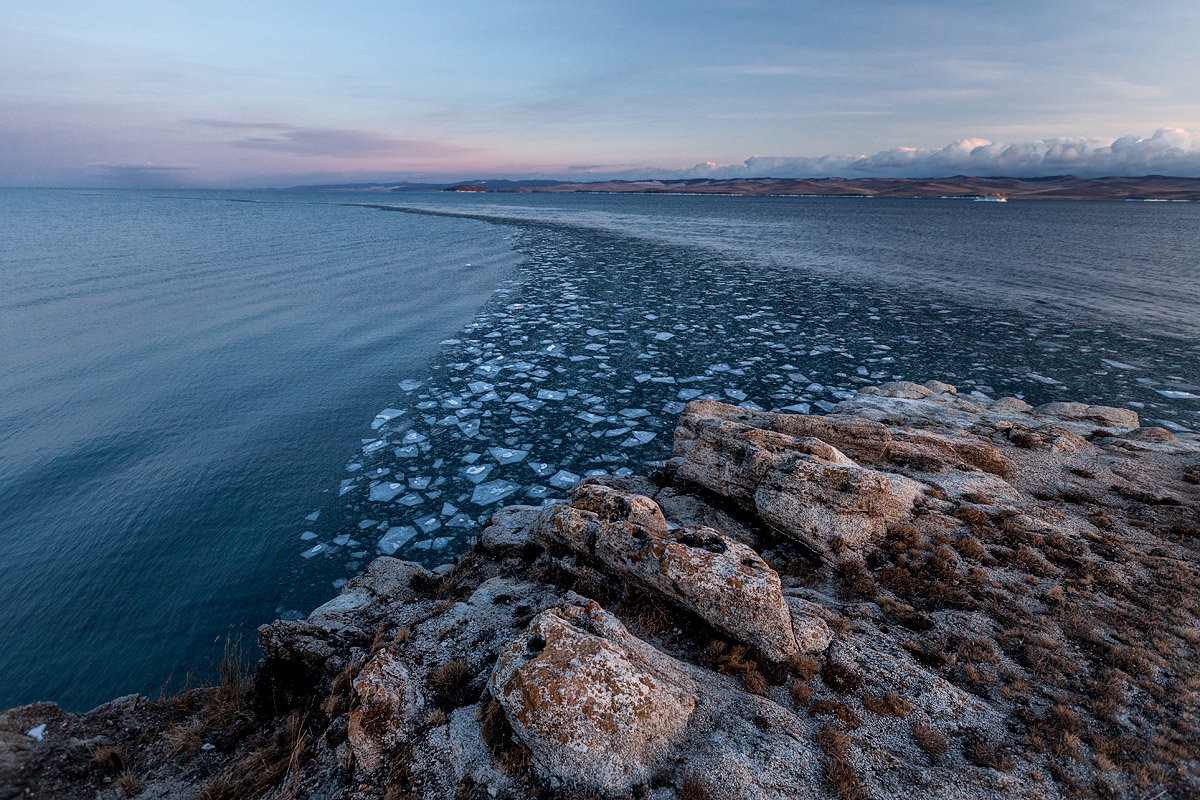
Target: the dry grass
pixel 889 705
pixel 833 708
pixel 840 772
pixel 274 761
pixel 187 738
pixel 107 758
pixel 840 678
pixel 754 682
pixel 128 785
pixel 929 740
pixel 803 667
pixel 800 693
pixel 452 683
pixel 692 789
pixel 513 757
pixel 229 700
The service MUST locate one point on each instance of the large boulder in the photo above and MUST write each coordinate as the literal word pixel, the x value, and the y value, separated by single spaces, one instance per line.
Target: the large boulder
pixel 721 580
pixel 802 486
pixel 388 706
pixel 1103 416
pixel 590 701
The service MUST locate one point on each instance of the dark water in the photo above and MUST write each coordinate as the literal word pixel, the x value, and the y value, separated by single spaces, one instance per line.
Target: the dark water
pixel 179 379
pixel 188 379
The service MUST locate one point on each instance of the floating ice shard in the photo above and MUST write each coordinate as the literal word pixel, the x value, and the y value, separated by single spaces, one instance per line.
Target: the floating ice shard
pixel 411 499
pixel 460 520
pixel 344 540
pixel 420 483
pixel 410 451
pixel 517 397
pixel 493 491
pixel 307 536
pixel 384 492
pixel 664 336
pixel 589 417
pixel 634 413
pixel 642 437
pixel 550 394
pixel 507 456
pixel 396 538
pixel 410 385
pixel 429 523
pixel 477 472
pixel 313 516
pixel 1175 394
pixel 798 408
pixel 673 408
pixel 736 394
pixel 563 479
pixel 373 446
pixel 385 416
pixel 412 437
pixel 312 551
pixel 689 394
pixel 479 387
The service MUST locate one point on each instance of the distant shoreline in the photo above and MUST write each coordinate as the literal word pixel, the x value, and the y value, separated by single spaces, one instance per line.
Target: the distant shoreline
pixel 958 187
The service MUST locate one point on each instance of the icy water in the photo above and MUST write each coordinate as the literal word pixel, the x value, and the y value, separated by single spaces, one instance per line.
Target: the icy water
pixel 396 397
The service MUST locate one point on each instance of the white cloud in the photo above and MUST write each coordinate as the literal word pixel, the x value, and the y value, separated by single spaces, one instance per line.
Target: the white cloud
pixel 1170 151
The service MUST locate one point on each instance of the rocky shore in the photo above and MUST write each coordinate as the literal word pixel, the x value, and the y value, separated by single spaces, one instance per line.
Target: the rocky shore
pixel 920 594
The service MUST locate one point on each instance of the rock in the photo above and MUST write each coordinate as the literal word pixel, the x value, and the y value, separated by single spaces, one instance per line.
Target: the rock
pixel 830 506
pixel 1105 416
pixel 937 387
pixel 803 487
pixel 1010 405
pixel 389 706
pixel 905 390
pixel 385 579
pixel 591 702
pixel 509 529
pixel 811 631
pixel 723 581
pixel 861 439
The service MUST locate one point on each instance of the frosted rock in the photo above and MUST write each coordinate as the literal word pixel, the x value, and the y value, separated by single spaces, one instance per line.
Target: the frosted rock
pixel 589 700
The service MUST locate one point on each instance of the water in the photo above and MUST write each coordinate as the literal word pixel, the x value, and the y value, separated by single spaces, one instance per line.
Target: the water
pixel 179 376
pixel 189 379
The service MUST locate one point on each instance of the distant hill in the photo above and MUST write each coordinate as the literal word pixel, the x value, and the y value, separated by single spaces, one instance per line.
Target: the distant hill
pixel 1055 187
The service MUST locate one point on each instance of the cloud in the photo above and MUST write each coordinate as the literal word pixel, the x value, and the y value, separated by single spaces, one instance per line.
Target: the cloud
pixel 139 176
pixel 283 138
pixel 1170 151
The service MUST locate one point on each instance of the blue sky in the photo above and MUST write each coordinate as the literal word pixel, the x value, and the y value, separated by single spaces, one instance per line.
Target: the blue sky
pixel 275 93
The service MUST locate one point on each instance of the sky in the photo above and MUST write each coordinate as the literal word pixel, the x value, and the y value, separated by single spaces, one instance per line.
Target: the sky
pixel 261 93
